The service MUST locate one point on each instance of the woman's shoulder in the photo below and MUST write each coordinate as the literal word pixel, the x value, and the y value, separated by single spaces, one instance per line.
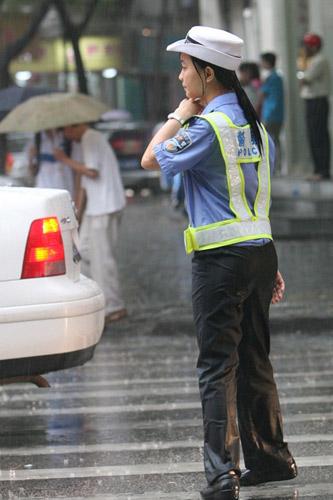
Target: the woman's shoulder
pixel 202 123
pixel 200 130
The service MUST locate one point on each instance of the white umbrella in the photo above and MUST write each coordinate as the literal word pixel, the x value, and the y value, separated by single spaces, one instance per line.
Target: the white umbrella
pixel 51 111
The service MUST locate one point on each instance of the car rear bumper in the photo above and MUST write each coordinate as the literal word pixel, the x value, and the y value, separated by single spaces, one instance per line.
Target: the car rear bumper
pixel 50 317
pixel 38 365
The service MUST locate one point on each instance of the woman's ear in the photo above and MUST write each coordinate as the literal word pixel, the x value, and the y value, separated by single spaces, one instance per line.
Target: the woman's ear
pixel 209 74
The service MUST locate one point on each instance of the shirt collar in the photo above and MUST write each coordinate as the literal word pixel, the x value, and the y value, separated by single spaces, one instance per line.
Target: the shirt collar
pixel 219 101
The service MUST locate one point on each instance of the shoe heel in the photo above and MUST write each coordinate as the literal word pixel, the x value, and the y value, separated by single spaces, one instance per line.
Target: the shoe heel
pixel 222 495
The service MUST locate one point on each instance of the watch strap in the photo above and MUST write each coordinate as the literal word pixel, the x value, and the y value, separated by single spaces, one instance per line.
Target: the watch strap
pixel 176 117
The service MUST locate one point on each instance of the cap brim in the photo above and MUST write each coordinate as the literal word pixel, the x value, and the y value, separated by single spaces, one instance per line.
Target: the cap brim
pixel 205 54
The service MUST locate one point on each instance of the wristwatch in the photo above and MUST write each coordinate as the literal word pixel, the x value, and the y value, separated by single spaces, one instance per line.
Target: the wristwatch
pixel 176 117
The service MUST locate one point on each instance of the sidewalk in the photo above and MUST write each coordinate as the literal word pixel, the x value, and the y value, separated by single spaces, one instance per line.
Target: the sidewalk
pixel 300 208
pixel 156 273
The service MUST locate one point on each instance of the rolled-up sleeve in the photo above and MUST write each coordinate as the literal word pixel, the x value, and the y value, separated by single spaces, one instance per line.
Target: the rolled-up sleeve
pixel 186 149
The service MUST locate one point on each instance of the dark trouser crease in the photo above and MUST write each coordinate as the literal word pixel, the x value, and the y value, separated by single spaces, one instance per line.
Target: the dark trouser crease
pixel 231 293
pixel 317 114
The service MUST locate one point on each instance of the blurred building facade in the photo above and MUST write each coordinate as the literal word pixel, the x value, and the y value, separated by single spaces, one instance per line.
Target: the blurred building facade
pixel 123 49
pixel 127 66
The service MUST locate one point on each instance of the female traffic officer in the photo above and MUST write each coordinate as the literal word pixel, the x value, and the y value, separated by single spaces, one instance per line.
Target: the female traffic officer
pixel 226 158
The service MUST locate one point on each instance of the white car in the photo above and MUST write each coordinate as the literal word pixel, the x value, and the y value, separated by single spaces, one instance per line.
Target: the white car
pixel 51 316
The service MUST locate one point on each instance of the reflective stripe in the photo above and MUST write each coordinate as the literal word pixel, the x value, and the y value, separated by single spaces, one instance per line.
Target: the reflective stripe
pixel 237 146
pixel 235 231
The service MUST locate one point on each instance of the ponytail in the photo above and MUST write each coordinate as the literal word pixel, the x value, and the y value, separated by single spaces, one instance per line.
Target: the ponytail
pixel 229 81
pixel 249 112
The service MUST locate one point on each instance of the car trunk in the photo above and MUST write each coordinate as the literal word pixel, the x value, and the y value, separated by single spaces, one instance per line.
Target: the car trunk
pixel 19 208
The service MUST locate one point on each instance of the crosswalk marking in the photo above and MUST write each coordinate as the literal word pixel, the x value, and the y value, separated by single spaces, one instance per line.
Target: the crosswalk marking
pixel 159 356
pixel 123 437
pixel 184 389
pixel 142 446
pixel 103 360
pixel 287 491
pixel 133 470
pixel 307 377
pixel 139 408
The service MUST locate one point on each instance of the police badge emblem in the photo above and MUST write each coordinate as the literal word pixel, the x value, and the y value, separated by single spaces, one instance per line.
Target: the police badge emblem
pixel 179 143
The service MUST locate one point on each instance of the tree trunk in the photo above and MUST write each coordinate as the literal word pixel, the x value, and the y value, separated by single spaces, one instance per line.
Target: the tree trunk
pixel 80 71
pixel 155 111
pixel 73 33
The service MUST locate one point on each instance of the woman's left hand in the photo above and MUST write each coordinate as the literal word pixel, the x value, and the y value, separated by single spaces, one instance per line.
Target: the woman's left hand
pixel 188 108
pixel 279 288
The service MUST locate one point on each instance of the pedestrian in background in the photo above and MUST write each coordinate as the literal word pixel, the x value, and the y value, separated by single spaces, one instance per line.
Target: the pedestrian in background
pixel 102 187
pixel 315 90
pixel 271 102
pixel 215 139
pixel 47 170
pixel 249 77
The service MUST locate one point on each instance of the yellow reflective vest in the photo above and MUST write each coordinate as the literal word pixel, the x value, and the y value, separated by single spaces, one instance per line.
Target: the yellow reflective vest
pixel 237 147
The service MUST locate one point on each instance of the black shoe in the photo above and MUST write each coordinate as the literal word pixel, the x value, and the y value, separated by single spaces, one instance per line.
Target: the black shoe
pixel 254 477
pixel 226 487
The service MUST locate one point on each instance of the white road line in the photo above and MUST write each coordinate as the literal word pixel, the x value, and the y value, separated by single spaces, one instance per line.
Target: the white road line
pixel 140 408
pixel 142 446
pixel 102 360
pixel 101 383
pixel 290 490
pixel 185 389
pixel 176 354
pixel 87 410
pixel 277 374
pixel 134 364
pixel 307 377
pixel 168 424
pixel 133 470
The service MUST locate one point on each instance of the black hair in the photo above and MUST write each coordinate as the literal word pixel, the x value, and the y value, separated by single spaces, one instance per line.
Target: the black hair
pixel 229 80
pixel 269 57
pixel 67 146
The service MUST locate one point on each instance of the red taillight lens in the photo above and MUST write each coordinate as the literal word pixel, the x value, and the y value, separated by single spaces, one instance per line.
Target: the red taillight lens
pixel 44 252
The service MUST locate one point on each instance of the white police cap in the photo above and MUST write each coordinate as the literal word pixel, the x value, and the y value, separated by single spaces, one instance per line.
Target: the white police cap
pixel 211 45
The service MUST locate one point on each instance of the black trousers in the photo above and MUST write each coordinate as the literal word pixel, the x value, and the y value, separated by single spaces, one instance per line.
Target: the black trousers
pixel 231 293
pixel 317 113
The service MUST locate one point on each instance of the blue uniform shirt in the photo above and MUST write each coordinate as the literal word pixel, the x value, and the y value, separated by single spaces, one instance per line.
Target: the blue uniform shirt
pixel 195 151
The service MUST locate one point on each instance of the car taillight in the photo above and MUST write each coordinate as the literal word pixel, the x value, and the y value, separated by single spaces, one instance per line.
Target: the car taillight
pixel 127 146
pixel 44 252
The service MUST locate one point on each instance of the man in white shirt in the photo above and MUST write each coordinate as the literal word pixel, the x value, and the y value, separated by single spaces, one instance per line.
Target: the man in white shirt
pixel 105 200
pixel 315 90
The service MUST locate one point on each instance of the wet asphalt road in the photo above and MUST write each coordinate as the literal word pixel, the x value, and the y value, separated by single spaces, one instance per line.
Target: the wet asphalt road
pixel 127 425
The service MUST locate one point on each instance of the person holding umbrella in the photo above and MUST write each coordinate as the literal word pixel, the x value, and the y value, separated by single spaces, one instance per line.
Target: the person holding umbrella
pixel 48 172
pixel 101 181
pixel 214 138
